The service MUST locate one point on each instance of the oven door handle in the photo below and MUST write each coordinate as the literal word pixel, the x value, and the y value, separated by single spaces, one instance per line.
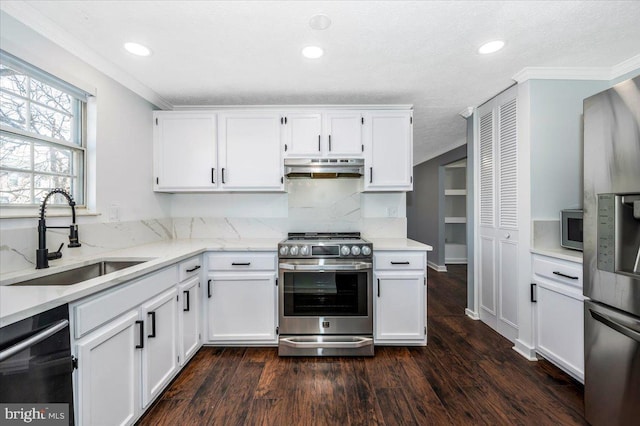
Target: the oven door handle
pixel 358 342
pixel 33 340
pixel 355 266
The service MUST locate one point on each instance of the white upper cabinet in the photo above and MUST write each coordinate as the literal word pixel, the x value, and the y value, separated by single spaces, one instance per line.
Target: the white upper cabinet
pixel 322 134
pixel 343 132
pixel 302 134
pixel 250 156
pixel 244 150
pixel 184 151
pixel 388 148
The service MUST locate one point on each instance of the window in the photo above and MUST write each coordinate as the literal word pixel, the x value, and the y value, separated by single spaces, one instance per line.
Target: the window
pixel 42 135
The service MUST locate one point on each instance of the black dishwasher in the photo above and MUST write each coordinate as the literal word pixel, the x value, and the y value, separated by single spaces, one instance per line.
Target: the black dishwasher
pixel 35 361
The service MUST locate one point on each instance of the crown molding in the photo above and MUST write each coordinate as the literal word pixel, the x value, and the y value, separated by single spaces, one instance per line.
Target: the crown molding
pixel 562 73
pixel 41 24
pixel 466 113
pixel 624 67
pixel 578 73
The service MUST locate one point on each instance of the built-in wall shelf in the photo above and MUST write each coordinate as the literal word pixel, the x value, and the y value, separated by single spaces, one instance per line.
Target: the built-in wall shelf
pixel 455 192
pixel 455 199
pixel 452 219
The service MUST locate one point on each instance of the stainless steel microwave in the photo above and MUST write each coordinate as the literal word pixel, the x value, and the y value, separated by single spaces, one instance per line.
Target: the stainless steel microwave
pixel 571 222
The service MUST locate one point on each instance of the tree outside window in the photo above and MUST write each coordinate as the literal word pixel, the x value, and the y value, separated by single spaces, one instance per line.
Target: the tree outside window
pixel 42 144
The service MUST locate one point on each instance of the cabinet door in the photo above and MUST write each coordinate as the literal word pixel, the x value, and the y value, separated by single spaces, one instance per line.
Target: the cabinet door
pixel 189 309
pixel 302 135
pixel 242 308
pixel 344 134
pixel 560 326
pixel 388 151
pixel 400 307
pixel 108 381
pixel 185 151
pixel 497 175
pixel 160 355
pixel 250 156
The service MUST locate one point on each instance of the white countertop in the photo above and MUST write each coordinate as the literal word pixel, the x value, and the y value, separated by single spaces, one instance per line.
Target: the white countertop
pixel 559 253
pixel 398 244
pixel 19 302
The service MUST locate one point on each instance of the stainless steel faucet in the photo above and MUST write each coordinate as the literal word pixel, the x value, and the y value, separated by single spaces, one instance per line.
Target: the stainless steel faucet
pixel 42 253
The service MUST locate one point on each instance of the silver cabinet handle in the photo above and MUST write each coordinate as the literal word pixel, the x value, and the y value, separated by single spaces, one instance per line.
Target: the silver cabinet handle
pixel 33 340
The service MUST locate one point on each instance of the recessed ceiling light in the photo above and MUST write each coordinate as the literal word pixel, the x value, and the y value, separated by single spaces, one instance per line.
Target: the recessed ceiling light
pixel 492 46
pixel 320 22
pixel 312 52
pixel 137 49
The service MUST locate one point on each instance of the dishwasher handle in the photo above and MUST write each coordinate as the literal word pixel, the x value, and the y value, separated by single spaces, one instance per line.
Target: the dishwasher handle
pixel 615 325
pixel 34 340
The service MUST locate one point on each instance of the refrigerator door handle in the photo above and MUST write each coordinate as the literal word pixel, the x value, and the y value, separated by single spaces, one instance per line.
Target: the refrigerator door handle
pixel 620 328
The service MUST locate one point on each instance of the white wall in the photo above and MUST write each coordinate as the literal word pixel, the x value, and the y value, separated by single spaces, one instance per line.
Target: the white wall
pixel 556 144
pixel 123 130
pixel 120 166
pixel 126 211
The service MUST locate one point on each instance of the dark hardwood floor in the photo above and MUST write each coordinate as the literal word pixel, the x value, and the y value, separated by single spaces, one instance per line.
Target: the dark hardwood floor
pixel 467 374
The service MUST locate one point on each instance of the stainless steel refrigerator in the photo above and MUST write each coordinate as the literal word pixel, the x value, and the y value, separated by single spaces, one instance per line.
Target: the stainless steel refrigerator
pixel 612 255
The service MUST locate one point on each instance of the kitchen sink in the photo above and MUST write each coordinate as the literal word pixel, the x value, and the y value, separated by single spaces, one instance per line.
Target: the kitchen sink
pixel 81 273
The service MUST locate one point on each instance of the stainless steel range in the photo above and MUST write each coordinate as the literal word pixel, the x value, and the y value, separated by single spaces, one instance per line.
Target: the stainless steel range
pixel 325 299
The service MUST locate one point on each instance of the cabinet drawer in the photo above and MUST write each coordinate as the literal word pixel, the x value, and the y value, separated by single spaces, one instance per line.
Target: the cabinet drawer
pixel 242 261
pixel 190 268
pixel 102 308
pixel 564 272
pixel 399 260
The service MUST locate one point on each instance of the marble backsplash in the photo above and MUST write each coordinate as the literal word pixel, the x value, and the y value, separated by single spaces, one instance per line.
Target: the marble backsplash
pixel 546 234
pixel 18 247
pixel 309 205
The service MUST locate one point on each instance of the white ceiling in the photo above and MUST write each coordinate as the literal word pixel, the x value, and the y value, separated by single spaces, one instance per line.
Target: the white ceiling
pixel 376 52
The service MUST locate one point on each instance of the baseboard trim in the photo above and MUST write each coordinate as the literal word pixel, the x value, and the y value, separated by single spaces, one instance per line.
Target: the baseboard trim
pixel 438 268
pixel 471 314
pixel 525 350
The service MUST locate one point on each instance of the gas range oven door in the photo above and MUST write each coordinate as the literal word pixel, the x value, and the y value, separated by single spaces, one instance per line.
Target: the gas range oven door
pixel 325 307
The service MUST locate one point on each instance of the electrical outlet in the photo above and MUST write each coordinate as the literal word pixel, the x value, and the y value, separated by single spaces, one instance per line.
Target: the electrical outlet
pixel 392 212
pixel 114 213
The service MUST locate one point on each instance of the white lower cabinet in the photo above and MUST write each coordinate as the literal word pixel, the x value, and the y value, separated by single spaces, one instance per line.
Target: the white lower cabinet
pixel 400 298
pixel 126 342
pixel 159 354
pixel 189 315
pixel 559 313
pixel 241 299
pixel 108 376
pixel 189 308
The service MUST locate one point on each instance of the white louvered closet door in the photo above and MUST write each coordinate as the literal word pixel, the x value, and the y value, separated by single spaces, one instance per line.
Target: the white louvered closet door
pixel 497 173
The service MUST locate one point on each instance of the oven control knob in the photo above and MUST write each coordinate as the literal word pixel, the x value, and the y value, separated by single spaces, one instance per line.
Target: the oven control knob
pixel 294 251
pixel 284 250
pixel 355 250
pixel 304 250
pixel 366 250
pixel 345 250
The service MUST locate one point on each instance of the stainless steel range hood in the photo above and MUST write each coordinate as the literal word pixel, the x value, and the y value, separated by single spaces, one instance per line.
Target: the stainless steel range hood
pixel 321 168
